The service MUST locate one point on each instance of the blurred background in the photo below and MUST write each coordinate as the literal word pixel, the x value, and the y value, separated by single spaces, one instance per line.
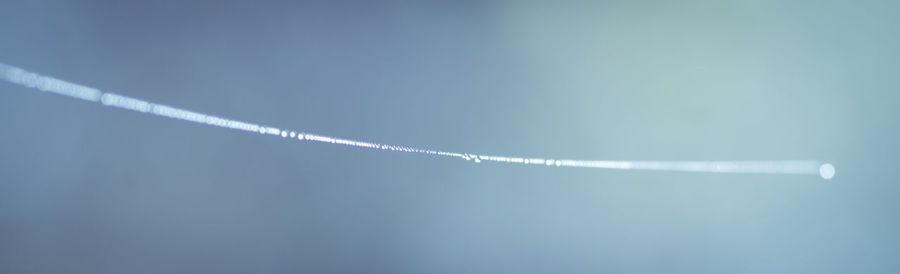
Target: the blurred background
pixel 90 189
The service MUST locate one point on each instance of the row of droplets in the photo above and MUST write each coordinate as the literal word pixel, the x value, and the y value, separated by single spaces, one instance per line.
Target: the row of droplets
pixel 48 84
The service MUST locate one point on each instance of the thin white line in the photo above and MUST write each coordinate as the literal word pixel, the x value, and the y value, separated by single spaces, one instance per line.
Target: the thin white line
pixel 32 80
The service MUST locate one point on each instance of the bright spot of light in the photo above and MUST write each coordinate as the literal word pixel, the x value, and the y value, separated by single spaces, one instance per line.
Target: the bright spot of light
pixel 826 171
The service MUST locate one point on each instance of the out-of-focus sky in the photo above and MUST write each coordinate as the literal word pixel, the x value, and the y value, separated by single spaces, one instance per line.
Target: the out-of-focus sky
pixel 87 189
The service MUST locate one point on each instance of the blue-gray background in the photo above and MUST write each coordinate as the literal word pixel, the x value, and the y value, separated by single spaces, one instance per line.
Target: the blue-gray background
pixel 89 189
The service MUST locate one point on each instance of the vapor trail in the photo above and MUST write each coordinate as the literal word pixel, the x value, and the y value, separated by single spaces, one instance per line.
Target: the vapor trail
pixel 32 80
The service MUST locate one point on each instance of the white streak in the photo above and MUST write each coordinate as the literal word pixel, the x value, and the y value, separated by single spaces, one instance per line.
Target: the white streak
pixel 32 80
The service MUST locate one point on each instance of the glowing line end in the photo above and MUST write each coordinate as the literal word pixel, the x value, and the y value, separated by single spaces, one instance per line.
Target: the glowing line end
pixel 826 170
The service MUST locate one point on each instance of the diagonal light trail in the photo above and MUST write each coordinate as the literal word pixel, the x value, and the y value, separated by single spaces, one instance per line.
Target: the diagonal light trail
pixel 32 80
